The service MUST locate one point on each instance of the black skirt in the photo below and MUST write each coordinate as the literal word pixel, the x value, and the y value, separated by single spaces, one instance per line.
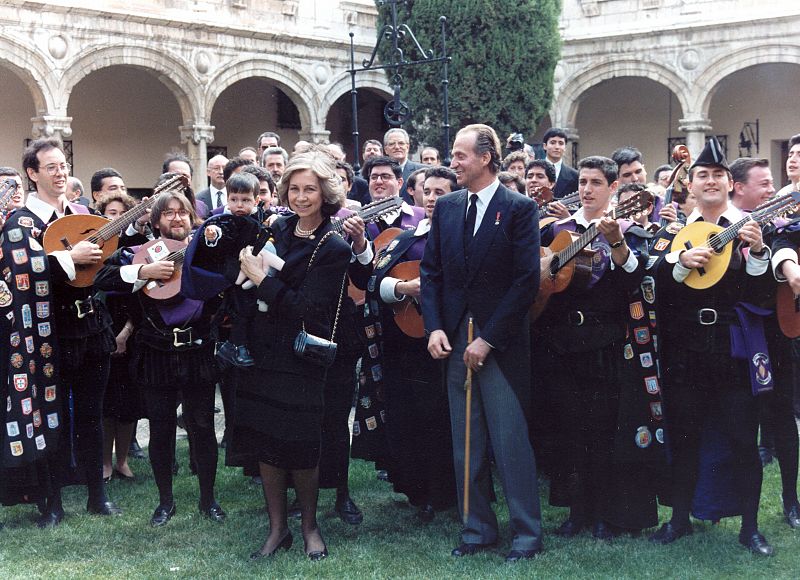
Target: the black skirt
pixel 278 420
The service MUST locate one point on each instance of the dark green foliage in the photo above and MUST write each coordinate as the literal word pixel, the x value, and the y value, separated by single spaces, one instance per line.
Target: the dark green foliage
pixel 503 56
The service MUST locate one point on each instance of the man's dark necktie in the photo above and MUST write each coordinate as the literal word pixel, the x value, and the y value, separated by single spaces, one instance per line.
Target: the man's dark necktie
pixel 472 214
pixel 219 198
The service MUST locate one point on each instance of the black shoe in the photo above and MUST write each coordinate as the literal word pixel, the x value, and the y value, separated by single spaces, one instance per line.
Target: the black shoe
pixel 162 515
pixel 792 515
pixel 348 511
pixel 256 480
pixel 603 531
pixel 466 549
pixel 284 544
pixel 517 555
pixel 426 513
pixel 50 519
pixel 214 512
pixel 569 529
pixel 766 454
pixel 119 475
pixel 225 355
pixel 294 511
pixel 668 533
pixel 317 556
pixel 382 475
pixel 756 543
pixel 134 450
pixel 243 358
pixel 103 508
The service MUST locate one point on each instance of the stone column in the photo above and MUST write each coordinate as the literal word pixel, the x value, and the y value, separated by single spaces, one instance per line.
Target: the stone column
pixel 572 156
pixel 197 137
pixel 315 135
pixel 51 126
pixel 696 129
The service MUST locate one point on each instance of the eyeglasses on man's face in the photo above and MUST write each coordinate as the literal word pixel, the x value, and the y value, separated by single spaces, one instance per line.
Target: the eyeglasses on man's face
pixel 172 213
pixel 55 168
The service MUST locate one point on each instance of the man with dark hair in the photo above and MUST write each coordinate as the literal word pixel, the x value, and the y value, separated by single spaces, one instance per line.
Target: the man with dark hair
pixel 430 156
pixel 793 165
pixel 234 165
pixel 709 376
pixel 442 172
pixel 630 169
pixel 177 162
pixel 266 140
pixel 661 175
pixel 76 364
pixel 415 186
pixel 480 271
pixel 274 160
pixel 384 176
pixel 106 181
pixel 372 148
pixel 396 143
pixel 752 183
pixel 249 153
pixel 555 144
pixel 539 173
pixel 215 195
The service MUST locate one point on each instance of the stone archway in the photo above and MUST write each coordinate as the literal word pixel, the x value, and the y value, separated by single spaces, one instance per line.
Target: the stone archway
pixel 170 71
pixel 293 84
pixel 32 69
pixel 571 91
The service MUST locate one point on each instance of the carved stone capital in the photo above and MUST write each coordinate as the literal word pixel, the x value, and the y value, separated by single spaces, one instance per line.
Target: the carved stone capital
pixel 196 133
pixel 51 126
pixel 690 124
pixel 316 136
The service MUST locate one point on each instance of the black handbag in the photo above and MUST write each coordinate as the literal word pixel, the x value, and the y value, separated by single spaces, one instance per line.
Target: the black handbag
pixel 313 349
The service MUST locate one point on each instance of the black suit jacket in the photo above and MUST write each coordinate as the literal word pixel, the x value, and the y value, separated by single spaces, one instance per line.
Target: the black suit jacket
pixel 567 181
pixel 410 167
pixel 501 280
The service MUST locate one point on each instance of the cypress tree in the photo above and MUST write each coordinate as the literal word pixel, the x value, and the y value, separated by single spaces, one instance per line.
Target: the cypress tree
pixel 503 54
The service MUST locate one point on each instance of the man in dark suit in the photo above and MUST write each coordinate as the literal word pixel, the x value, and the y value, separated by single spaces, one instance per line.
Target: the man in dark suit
pixel 396 144
pixel 555 144
pixel 214 195
pixel 481 262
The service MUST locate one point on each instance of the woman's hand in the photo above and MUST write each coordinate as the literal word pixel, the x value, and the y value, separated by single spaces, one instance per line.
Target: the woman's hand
pixel 253 266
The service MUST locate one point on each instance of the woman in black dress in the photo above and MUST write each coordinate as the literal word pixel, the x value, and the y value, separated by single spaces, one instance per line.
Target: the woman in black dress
pixel 279 404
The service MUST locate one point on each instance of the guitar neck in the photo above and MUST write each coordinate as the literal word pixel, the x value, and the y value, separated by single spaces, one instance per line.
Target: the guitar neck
pixel 118 225
pixel 568 253
pixel 369 214
pixel 761 216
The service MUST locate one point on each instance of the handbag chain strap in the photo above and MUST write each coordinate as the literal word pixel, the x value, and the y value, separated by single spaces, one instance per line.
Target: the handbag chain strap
pixel 341 292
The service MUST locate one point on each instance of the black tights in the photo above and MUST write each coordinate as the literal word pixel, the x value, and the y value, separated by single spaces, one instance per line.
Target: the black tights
pixel 306 484
pixel 198 413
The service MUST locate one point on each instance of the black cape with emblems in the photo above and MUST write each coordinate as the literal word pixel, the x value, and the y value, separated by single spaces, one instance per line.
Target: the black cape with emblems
pixel 31 392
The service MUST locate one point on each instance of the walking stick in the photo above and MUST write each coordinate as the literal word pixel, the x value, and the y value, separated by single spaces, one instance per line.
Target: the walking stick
pixel 468 416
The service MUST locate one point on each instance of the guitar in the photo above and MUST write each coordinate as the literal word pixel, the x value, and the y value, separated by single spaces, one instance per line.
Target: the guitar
pixel 67 231
pixel 571 201
pixel 677 179
pixel 369 213
pixel 162 250
pixel 407 313
pixel 788 310
pixel 710 235
pixel 566 261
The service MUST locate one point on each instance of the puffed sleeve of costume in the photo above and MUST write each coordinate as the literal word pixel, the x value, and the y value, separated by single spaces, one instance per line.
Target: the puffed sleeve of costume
pixel 109 277
pixel 320 289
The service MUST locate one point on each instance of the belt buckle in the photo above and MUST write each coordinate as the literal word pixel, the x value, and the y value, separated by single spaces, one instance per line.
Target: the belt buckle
pixel 176 332
pixel 576 320
pixel 79 304
pixel 702 319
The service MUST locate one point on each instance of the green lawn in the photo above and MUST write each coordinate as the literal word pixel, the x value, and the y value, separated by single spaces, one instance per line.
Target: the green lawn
pixel 391 543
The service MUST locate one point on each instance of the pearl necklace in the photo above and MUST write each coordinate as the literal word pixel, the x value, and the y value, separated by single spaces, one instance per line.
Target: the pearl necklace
pixel 301 233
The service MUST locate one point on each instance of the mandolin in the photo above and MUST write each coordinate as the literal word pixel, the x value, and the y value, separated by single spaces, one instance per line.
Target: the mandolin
pixel 162 250
pixel 67 231
pixel 710 235
pixel 407 313
pixel 566 261
pixel 369 213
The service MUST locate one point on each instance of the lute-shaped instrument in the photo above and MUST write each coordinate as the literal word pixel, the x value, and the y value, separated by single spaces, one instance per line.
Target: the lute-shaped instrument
pixel 67 231
pixel 709 235
pixel 162 250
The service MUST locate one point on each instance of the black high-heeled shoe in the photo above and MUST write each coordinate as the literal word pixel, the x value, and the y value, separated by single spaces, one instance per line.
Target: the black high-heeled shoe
pixel 284 544
pixel 317 555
